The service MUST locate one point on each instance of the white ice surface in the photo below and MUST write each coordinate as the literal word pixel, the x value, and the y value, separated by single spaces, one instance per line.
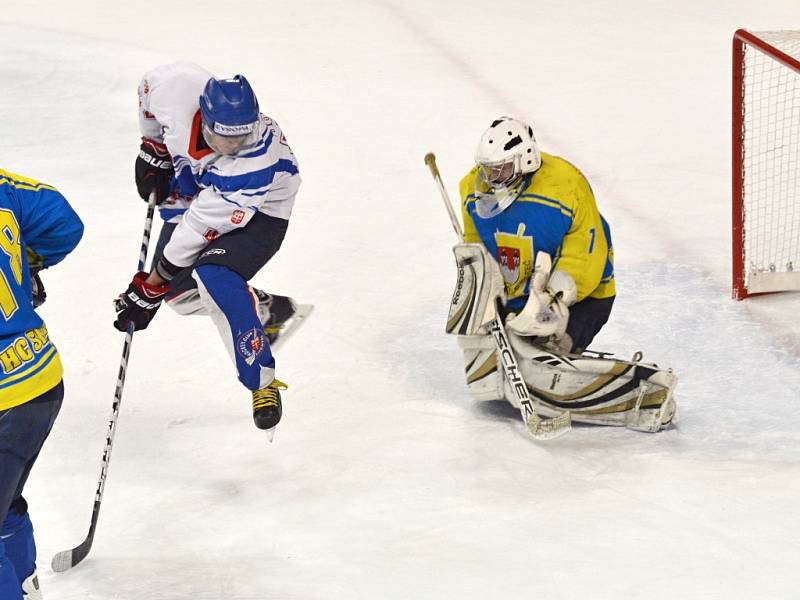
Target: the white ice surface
pixel 384 480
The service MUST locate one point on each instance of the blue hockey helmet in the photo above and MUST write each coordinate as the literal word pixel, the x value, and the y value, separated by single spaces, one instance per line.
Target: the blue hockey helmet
pixel 230 110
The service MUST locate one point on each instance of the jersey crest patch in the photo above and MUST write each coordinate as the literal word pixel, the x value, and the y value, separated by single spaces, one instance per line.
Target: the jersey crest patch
pixel 515 257
pixel 250 345
pixel 237 216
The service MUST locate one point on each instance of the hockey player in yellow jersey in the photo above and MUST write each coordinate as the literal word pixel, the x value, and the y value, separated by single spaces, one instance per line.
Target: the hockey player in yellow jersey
pixel 537 255
pixel 518 201
pixel 38 228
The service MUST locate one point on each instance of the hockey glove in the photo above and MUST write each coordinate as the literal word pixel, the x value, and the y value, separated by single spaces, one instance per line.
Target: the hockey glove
pixel 36 264
pixel 37 290
pixel 546 313
pixel 139 303
pixel 153 170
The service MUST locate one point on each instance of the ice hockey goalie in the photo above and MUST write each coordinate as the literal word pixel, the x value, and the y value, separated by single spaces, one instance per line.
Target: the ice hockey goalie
pixel 591 386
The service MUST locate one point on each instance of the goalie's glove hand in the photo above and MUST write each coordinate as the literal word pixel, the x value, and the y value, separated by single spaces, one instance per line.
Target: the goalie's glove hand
pixel 153 170
pixel 546 312
pixel 139 303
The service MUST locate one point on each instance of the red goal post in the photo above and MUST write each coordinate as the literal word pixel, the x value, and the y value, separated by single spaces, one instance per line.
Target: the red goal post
pixel 766 162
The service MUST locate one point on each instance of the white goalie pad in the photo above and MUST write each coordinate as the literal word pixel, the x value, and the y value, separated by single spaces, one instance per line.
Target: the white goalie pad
pixel 484 379
pixel 479 284
pixel 594 389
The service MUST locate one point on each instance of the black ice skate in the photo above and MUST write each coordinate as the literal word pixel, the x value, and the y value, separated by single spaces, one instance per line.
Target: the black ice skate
pixel 281 311
pixel 267 405
pixel 284 315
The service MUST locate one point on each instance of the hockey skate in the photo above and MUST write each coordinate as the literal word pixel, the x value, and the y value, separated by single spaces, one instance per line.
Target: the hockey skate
pixel 31 589
pixel 267 405
pixel 281 316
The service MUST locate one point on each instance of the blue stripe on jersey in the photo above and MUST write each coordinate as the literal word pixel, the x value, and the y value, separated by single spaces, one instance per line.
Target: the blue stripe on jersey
pixel 608 270
pixel 183 183
pixel 260 148
pixel 48 352
pixel 170 213
pixel 248 181
pixel 549 202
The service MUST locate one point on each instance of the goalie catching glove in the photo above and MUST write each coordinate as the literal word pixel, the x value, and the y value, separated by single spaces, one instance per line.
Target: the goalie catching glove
pixel 139 303
pixel 547 310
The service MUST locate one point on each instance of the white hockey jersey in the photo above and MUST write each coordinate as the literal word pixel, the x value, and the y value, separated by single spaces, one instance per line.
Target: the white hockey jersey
pixel 214 193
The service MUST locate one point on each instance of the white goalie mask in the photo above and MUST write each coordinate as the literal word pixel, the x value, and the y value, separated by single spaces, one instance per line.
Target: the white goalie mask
pixel 507 151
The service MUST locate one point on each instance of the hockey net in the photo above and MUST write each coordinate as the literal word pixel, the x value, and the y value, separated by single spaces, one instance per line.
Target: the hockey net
pixel 766 162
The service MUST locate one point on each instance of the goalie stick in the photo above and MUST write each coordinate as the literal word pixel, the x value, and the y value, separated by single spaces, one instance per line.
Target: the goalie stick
pixel 539 428
pixel 67 559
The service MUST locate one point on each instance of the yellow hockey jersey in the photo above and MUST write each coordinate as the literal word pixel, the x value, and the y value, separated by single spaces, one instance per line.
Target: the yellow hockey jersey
pixel 35 221
pixel 554 212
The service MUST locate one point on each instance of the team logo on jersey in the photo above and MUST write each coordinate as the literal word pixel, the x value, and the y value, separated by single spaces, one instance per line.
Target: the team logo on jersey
pixel 211 234
pixel 237 216
pixel 515 257
pixel 251 344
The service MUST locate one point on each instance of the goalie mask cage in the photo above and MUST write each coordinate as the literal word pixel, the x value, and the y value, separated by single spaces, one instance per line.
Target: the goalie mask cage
pixel 766 162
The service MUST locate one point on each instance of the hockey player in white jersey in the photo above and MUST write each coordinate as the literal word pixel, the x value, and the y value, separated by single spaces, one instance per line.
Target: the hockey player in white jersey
pixel 225 179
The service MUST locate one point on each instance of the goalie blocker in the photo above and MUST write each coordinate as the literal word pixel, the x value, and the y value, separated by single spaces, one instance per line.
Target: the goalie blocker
pixel 593 388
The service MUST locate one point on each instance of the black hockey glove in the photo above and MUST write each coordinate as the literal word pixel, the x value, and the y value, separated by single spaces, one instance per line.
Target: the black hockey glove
pixel 153 170
pixel 37 289
pixel 139 303
pixel 36 264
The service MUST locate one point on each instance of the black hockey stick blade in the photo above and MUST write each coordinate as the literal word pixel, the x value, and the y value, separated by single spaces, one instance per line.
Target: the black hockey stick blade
pixel 65 560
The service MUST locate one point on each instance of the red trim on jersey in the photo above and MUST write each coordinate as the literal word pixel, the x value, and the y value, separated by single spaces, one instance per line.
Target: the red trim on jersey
pixel 197 145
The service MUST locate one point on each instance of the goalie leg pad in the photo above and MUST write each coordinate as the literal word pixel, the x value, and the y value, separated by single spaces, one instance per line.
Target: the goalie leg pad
pixel 484 376
pixel 601 391
pixel 479 283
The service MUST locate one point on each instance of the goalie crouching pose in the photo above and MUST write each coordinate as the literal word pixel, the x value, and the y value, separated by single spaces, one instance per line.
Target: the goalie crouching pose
pixel 535 240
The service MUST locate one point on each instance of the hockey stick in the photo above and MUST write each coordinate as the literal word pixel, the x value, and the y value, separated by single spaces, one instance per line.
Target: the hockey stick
pixel 69 558
pixel 539 428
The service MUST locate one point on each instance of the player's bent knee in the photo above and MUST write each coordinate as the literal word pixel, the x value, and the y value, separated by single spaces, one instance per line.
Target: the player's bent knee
pixel 187 303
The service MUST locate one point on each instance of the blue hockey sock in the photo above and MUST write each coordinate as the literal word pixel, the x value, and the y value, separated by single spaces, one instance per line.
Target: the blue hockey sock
pixel 10 587
pixel 17 536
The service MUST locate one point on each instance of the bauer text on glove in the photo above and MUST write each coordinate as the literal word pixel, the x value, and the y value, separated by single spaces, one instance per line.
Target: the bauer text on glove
pixel 153 170
pixel 139 303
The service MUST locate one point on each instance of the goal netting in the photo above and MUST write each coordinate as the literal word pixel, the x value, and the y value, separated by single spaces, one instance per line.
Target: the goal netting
pixel 766 162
